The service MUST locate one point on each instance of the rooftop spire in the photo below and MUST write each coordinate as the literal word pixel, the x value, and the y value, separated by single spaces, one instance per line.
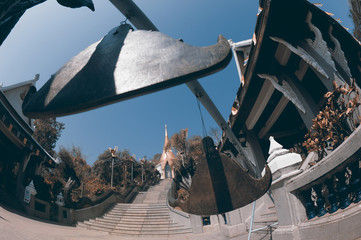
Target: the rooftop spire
pixel 166 141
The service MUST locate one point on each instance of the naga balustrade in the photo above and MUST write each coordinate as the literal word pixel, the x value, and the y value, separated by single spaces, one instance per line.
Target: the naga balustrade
pixel 334 182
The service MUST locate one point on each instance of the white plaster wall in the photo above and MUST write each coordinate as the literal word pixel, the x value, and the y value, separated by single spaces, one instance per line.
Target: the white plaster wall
pixel 14 97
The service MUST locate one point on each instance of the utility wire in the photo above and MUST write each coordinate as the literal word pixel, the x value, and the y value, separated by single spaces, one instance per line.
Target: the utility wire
pixel 203 125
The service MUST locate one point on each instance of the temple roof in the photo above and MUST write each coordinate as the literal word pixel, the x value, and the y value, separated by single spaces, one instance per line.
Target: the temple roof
pixel 287 44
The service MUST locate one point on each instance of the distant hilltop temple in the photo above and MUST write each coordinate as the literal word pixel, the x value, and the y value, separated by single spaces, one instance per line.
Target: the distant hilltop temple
pixel 167 160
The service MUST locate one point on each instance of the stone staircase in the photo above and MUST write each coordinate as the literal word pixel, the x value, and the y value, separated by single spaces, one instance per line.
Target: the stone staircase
pixel 147 216
pixel 266 222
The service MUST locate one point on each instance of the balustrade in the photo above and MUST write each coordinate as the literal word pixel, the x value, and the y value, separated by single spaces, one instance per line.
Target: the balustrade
pixel 332 196
pixel 355 181
pixel 341 189
pixel 335 180
pixel 320 202
pixel 309 203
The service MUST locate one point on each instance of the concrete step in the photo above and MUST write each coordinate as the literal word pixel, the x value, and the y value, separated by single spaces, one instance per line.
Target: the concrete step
pixel 269 213
pixel 148 216
pixel 116 215
pixel 152 228
pixel 131 224
pixel 105 227
pixel 143 206
pixel 100 229
pixel 108 218
pixel 136 216
pixel 139 211
pixel 146 219
pixel 109 221
pixel 266 220
pixel 150 233
pixel 81 224
pixel 129 213
pixel 155 222
pixel 135 221
pixel 140 204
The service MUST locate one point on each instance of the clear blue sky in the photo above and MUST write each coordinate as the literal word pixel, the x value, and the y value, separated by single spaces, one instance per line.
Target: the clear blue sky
pixel 48 35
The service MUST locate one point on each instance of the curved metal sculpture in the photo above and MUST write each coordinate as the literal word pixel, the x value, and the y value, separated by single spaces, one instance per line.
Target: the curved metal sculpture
pixel 124 64
pixel 221 185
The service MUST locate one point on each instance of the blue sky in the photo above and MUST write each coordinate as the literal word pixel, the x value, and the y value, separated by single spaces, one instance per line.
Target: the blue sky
pixel 48 35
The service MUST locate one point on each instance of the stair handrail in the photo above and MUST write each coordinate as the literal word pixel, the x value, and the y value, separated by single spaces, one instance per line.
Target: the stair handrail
pixel 170 198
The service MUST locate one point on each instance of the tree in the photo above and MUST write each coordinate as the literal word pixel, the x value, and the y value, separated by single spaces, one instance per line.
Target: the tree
pixel 47 133
pixel 195 148
pixel 216 134
pixel 150 173
pixel 179 140
pixel 73 171
pixel 156 158
pixel 102 167
pixel 355 10
pixel 73 164
pixel 69 174
pixel 123 164
pixel 189 151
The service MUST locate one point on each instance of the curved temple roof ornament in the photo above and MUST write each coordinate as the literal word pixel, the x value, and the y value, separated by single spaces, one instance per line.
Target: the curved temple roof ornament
pixel 302 54
pixel 338 55
pixel 122 65
pixel 318 43
pixel 285 89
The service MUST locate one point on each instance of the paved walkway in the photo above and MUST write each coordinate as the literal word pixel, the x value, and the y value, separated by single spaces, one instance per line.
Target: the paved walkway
pixel 14 226
pixel 17 226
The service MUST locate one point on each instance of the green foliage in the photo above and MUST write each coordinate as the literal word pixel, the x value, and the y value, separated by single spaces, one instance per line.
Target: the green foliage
pixel 47 132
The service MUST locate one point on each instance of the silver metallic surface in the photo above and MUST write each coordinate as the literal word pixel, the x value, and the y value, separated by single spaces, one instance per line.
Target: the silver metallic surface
pixel 124 64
